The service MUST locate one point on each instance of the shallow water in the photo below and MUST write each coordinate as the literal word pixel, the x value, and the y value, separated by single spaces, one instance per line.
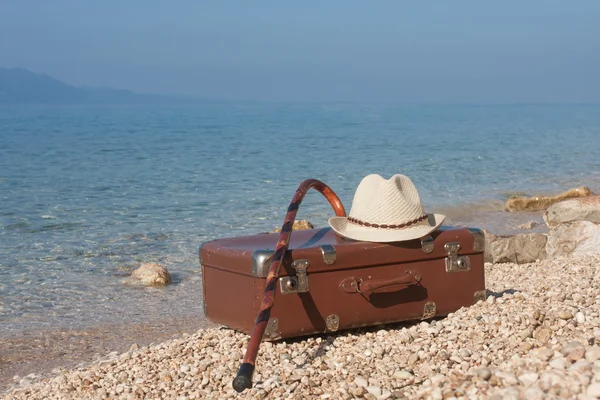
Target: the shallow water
pixel 87 194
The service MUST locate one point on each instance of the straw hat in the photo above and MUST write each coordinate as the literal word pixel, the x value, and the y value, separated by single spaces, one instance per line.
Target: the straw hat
pixel 386 211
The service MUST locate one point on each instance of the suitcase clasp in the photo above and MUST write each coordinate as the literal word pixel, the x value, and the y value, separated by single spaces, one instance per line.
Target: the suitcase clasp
pixel 427 244
pixel 298 283
pixel 454 262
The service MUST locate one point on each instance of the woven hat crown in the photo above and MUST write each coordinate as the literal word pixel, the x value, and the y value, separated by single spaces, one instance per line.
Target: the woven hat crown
pixel 386 211
pixel 386 202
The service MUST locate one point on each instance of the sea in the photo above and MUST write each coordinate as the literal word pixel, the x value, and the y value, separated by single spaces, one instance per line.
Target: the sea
pixel 89 193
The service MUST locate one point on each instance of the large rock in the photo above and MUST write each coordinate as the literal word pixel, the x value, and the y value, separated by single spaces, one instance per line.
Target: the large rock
pixel 299 225
pixel 583 209
pixel 519 249
pixel 488 256
pixel 151 274
pixel 573 238
pixel 538 203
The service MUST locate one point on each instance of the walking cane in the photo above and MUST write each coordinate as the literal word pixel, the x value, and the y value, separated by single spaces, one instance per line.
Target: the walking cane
pixel 243 380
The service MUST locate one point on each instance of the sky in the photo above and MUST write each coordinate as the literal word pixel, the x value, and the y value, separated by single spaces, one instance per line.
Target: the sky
pixel 335 50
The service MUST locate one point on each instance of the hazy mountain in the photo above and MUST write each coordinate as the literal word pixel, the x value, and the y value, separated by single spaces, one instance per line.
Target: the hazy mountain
pixel 21 86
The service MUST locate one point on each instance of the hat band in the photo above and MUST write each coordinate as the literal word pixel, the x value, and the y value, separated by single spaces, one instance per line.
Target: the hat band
pixel 385 226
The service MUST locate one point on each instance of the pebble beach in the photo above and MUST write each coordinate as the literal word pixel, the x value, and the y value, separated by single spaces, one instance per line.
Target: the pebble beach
pixel 536 336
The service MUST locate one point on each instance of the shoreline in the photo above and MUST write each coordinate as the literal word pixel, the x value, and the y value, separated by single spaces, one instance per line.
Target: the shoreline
pixel 44 352
pixel 19 352
pixel 535 336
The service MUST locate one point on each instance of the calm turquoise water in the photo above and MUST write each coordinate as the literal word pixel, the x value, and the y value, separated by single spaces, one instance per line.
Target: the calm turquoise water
pixel 86 194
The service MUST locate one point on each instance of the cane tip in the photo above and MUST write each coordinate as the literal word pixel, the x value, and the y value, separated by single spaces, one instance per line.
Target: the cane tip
pixel 243 380
pixel 241 383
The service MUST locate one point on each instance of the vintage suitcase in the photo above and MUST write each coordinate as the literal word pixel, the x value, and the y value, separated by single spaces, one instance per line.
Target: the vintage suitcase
pixel 328 283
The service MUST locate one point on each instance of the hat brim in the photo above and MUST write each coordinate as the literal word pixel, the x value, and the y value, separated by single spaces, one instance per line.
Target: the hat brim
pixel 357 232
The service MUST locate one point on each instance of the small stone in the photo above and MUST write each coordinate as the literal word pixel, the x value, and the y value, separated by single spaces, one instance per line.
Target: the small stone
pixel 565 314
pixel 438 379
pixel 360 381
pixel 24 382
pixel 544 354
pixel 403 375
pixel 525 334
pixel 525 347
pixel 374 390
pixel 465 353
pixel 533 393
pixel 358 391
pixel 580 366
pixel 569 347
pixel 576 354
pixel 433 331
pixel 558 363
pixel 542 335
pixel 510 379
pixel 580 317
pixel 298 225
pixel 484 373
pixel 593 390
pixel 593 354
pixel 528 378
pixel 491 300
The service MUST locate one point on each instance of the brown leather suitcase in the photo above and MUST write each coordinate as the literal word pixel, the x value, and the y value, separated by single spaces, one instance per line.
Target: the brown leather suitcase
pixel 328 283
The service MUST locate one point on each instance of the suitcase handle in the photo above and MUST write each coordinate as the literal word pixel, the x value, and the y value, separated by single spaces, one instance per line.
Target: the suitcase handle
pixel 353 285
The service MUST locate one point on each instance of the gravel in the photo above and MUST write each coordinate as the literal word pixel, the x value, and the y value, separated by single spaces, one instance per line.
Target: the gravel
pixel 536 336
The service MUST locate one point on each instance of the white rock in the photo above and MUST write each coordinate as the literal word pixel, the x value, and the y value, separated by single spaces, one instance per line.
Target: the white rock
pixel 581 209
pixel 544 354
pixel 593 354
pixel 594 390
pixel 558 363
pixel 519 248
pixel 510 379
pixel 374 390
pixel 528 378
pixel 573 238
pixel 403 375
pixel 360 381
pixel 151 274
pixel 533 393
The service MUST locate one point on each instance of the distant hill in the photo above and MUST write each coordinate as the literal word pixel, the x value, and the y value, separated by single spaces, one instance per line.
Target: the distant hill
pixel 21 86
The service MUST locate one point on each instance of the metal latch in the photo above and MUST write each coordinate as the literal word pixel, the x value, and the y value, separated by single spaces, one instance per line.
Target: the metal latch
pixel 298 283
pixel 329 255
pixel 454 262
pixel 427 244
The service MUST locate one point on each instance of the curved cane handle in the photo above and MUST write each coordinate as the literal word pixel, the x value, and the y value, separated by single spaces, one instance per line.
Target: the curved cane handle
pixel 243 380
